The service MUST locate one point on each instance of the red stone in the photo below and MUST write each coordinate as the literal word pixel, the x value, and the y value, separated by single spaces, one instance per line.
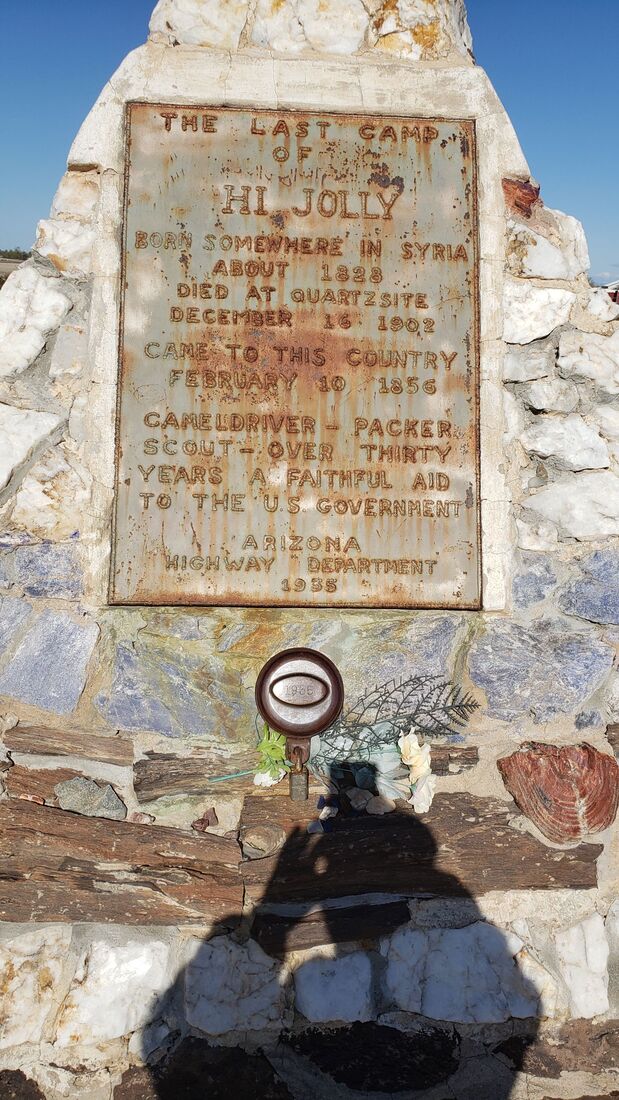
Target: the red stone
pixel 208 820
pixel 521 196
pixel 568 791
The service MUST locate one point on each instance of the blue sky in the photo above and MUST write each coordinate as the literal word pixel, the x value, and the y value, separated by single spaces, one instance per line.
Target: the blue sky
pixel 553 63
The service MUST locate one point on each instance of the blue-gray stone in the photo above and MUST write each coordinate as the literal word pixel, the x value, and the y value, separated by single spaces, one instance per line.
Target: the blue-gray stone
pixel 537 673
pixel 83 796
pixel 533 583
pixel 13 612
pixel 132 703
pixel 595 594
pixel 7 570
pixel 50 570
pixel 173 687
pixel 588 718
pixel 48 668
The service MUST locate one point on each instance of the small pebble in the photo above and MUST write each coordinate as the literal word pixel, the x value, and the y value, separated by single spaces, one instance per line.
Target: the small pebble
pixel 358 798
pixel 379 805
pixel 139 818
pixel 327 812
pixel 262 840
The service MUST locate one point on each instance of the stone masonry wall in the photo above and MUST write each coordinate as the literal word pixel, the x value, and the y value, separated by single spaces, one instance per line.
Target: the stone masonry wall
pixel 123 714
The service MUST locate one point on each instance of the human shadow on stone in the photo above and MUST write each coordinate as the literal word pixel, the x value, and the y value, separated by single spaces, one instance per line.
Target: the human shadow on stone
pixel 388 1002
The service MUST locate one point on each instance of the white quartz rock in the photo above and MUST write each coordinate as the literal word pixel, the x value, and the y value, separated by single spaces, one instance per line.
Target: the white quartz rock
pixel 421 28
pixel 277 27
pixel 514 417
pixel 77 196
pixel 531 312
pixel 559 252
pixel 612 702
pixel 70 351
pixel 230 987
pixel 600 305
pixel 584 507
pixel 333 26
pixel 21 431
pixel 67 243
pixel 583 956
pixel 335 989
pixel 607 418
pixel 568 440
pixel 552 394
pixel 538 535
pixel 116 990
pixel 469 975
pixel 217 23
pixel 52 499
pixel 588 355
pixel 31 306
pixel 30 971
pixel 523 364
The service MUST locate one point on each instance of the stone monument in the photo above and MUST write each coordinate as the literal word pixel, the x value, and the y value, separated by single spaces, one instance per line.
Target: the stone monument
pixel 301 358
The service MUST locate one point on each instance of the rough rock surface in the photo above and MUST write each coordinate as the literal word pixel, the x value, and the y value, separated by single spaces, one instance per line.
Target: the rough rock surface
pixel 586 508
pixel 534 581
pixel 470 975
pixel 127 979
pixel 595 594
pixel 417 29
pixel 48 668
pixel 589 355
pixel 553 246
pixel 335 989
pixel 583 955
pixel 532 312
pixel 541 672
pixel 229 987
pixel 551 394
pixel 31 307
pixel 21 432
pixel 568 440
pixel 49 569
pixel 84 796
pixel 526 362
pixel 30 968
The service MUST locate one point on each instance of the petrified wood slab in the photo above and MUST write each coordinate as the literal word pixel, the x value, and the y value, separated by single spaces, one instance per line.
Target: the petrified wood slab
pixel 278 935
pixel 59 866
pixel 37 784
pixel 92 746
pixel 463 846
pixel 568 791
pixel 453 759
pixel 159 774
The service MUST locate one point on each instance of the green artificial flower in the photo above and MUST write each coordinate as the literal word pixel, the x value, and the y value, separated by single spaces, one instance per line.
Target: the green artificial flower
pixel 272 752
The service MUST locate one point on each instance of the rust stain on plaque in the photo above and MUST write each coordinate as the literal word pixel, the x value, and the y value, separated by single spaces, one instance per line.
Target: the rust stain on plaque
pixel 297 418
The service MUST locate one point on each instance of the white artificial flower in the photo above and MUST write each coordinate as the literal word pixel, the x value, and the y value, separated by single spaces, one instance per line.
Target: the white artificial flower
pixel 421 798
pixel 265 779
pixel 414 755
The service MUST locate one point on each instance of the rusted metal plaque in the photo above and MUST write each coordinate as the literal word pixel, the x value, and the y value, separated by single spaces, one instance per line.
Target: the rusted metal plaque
pixel 298 388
